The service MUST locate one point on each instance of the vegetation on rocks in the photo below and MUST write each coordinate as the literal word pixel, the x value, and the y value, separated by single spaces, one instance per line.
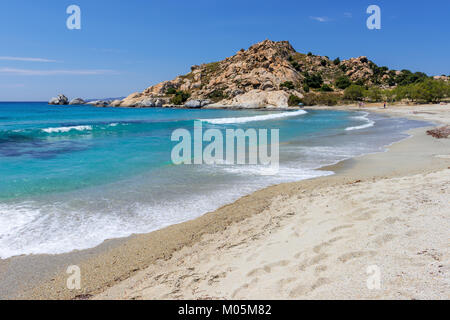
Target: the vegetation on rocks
pixel 180 97
pixel 273 69
pixel 294 100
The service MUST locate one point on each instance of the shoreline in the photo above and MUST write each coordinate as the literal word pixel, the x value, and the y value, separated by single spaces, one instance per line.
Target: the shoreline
pixel 119 259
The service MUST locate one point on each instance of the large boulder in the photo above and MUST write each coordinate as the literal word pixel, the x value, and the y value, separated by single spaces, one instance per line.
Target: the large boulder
pixel 60 100
pixel 197 103
pixel 116 103
pixel 146 103
pixel 261 99
pixel 77 101
pixel 99 103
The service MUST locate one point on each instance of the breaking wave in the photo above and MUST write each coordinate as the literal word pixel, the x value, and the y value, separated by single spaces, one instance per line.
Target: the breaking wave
pixel 369 123
pixel 255 118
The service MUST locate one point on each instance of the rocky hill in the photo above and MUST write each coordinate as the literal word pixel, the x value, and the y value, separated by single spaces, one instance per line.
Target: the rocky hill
pixel 268 74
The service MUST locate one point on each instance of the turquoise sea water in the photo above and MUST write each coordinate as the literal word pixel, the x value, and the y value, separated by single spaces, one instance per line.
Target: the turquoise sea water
pixel 73 176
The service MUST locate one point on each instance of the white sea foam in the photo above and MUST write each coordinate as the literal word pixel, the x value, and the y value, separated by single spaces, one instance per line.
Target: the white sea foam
pixel 54 226
pixel 67 129
pixel 365 117
pixel 255 118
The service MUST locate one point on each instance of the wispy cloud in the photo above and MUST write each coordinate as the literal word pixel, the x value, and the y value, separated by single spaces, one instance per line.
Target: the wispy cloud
pixel 12 85
pixel 26 59
pixel 320 19
pixel 29 72
pixel 348 14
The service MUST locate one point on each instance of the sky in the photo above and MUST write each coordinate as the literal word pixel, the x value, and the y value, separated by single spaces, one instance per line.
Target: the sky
pixel 127 46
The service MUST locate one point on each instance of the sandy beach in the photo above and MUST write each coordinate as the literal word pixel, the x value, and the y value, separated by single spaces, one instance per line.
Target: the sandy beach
pixel 313 239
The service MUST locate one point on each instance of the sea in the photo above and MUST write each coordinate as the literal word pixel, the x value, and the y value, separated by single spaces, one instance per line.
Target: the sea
pixel 73 176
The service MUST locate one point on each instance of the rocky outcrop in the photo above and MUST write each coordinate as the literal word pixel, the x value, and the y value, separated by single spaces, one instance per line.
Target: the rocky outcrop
pixel 99 103
pixel 264 75
pixel 197 103
pixel 258 98
pixel 60 100
pixel 116 103
pixel 77 101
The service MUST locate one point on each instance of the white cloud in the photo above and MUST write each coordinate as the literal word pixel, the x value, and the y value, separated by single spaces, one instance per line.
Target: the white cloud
pixel 13 85
pixel 28 72
pixel 26 59
pixel 320 19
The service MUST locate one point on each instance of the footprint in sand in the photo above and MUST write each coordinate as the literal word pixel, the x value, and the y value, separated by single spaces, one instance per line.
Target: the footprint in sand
pixel 384 238
pixel 328 243
pixel 312 261
pixel 267 268
pixel 347 226
pixel 354 255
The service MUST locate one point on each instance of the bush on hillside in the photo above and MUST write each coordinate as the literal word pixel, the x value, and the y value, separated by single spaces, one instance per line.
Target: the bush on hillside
pixel 180 97
pixel 326 88
pixel 354 93
pixel 314 81
pixel 327 99
pixel 171 91
pixel 294 100
pixel 287 85
pixel 343 82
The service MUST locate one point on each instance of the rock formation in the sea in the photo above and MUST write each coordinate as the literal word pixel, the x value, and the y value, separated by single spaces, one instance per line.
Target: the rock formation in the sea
pixel 268 74
pixel 77 101
pixel 99 103
pixel 60 100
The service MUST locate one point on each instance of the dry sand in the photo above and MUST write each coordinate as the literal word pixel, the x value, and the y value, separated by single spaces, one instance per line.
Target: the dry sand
pixel 312 239
pixel 319 242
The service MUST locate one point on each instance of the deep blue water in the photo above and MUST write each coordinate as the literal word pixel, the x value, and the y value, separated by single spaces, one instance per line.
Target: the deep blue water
pixel 73 176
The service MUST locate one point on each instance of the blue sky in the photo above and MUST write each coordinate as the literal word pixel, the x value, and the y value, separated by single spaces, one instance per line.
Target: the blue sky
pixel 126 46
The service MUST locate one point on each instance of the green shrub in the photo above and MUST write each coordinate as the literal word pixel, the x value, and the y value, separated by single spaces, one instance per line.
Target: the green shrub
pixel 310 54
pixel 343 82
pixel 287 85
pixel 337 61
pixel 180 97
pixel 326 88
pixel 343 68
pixel 327 99
pixel 294 100
pixel 354 93
pixel 296 66
pixel 324 62
pixel 314 81
pixel 407 77
pixel 217 95
pixel 305 88
pixel 374 94
pixel 171 91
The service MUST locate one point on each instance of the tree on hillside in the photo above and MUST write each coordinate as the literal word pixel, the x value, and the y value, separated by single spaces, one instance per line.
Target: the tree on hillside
pixel 354 93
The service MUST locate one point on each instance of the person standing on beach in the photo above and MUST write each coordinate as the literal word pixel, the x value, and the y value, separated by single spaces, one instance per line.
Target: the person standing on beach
pixel 385 105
